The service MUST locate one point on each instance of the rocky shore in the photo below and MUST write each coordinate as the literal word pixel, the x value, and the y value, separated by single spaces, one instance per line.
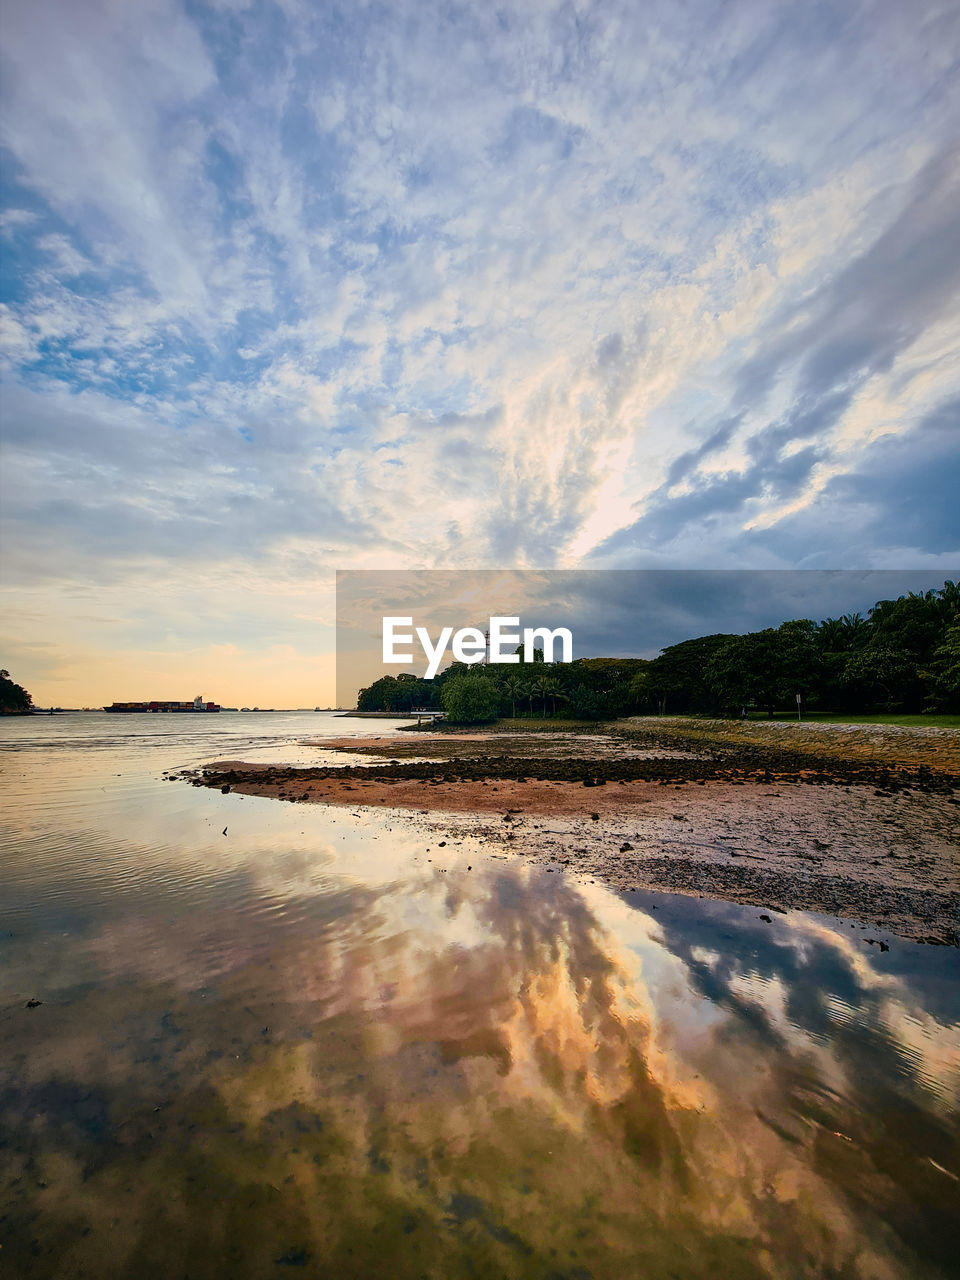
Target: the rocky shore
pixel 844 820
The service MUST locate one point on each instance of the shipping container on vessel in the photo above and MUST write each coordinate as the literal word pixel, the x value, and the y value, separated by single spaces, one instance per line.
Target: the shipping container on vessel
pixel 197 704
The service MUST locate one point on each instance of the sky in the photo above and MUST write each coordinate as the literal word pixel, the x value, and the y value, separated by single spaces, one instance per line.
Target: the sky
pixel 292 287
pixel 625 613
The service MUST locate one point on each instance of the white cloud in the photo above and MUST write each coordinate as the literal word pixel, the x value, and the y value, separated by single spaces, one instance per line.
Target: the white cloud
pixel 426 287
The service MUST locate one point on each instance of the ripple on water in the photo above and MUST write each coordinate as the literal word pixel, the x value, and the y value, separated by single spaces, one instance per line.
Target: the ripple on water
pixel 300 1044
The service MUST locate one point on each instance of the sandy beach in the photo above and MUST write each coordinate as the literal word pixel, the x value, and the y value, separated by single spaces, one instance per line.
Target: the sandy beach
pixel 857 821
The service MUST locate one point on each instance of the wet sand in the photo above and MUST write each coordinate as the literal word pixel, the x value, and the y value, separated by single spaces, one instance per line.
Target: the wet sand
pixel 859 824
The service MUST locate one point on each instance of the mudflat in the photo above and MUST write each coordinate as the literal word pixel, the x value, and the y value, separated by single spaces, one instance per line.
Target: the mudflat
pixel 862 822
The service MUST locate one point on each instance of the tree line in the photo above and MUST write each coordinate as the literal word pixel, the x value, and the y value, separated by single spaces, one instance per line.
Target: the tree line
pixel 904 656
pixel 14 699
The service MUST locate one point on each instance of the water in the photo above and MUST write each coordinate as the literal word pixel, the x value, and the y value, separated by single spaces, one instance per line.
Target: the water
pixel 300 1046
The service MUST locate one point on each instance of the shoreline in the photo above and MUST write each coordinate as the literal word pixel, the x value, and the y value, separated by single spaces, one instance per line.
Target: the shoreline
pixel 867 832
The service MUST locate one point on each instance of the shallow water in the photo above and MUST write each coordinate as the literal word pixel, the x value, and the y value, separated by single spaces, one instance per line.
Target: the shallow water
pixel 317 1041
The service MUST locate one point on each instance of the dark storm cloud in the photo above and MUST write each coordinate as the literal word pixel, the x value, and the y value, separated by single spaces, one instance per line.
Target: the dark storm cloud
pixel 902 494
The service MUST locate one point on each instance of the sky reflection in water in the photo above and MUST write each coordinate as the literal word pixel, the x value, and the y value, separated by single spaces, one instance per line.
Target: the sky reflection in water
pixel 303 1045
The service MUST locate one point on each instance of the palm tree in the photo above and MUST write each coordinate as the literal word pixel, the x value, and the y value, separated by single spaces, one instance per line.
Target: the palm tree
pixel 529 692
pixel 516 691
pixel 551 686
pixel 541 688
pixel 856 629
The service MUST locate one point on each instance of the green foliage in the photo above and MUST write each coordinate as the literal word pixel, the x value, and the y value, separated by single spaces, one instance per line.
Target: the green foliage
pixel 514 691
pixel 535 656
pixel 942 677
pixel 585 704
pixel 768 668
pixel 604 687
pixel 913 624
pixel 14 699
pixel 880 675
pixel 903 658
pixel 676 680
pixel 398 693
pixel 842 635
pixel 603 675
pixel 470 699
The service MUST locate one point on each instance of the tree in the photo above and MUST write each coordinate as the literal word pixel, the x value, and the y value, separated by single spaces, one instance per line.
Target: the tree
pixel 14 699
pixel 609 678
pixel 530 692
pixel 603 675
pixel 640 692
pixel 911 623
pixel 842 635
pixel 470 699
pixel 880 674
pixel 515 689
pixel 767 667
pixel 677 678
pixel 378 696
pixel 551 688
pixel 534 655
pixel 584 704
pixel 902 657
pixel 943 675
pixel 398 693
pixel 903 654
pixel 541 689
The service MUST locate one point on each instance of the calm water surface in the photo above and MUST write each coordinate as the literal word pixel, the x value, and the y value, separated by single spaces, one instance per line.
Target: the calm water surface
pixel 282 1039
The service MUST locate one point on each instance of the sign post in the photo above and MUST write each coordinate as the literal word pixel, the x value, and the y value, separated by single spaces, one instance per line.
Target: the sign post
pixel 798 708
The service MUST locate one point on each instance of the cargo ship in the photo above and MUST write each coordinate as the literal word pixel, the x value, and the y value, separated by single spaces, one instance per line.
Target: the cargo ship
pixel 197 704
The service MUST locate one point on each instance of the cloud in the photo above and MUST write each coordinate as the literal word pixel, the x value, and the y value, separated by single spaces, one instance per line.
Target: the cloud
pixel 880 302
pixel 903 493
pixel 821 354
pixel 423 286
